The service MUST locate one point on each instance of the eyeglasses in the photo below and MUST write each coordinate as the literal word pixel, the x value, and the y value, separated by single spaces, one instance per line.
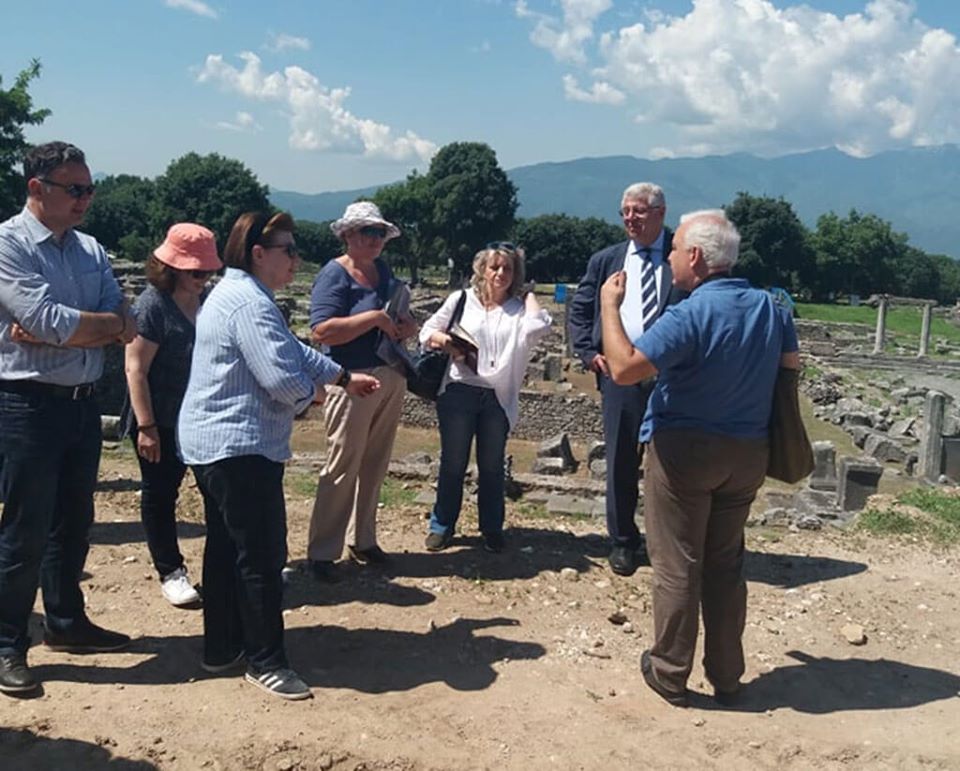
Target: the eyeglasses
pixel 198 274
pixel 373 231
pixel 74 191
pixel 637 212
pixel 501 246
pixel 290 249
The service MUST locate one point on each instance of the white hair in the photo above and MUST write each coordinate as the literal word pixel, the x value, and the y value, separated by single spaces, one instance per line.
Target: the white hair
pixel 647 191
pixel 716 236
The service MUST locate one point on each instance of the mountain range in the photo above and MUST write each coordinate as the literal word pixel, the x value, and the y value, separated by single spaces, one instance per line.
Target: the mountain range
pixel 917 190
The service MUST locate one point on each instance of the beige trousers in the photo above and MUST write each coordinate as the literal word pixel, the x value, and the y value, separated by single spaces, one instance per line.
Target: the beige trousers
pixel 698 488
pixel 360 433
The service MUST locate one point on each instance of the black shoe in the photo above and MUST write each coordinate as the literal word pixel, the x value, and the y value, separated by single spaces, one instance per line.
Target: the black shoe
pixel 493 543
pixel 226 666
pixel 372 556
pixel 438 541
pixel 324 571
pixel 676 698
pixel 15 675
pixel 85 637
pixel 624 560
pixel 284 683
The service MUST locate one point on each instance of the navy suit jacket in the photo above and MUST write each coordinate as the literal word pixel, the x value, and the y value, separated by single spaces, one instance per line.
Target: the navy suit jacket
pixel 583 319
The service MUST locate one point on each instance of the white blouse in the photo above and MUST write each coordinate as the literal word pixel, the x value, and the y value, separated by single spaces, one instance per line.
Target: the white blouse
pixel 505 334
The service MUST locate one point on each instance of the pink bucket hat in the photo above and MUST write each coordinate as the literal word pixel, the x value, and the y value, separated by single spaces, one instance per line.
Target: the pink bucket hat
pixel 189 247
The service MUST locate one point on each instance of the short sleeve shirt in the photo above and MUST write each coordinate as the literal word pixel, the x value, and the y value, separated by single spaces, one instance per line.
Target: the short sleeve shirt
pixel 717 354
pixel 337 294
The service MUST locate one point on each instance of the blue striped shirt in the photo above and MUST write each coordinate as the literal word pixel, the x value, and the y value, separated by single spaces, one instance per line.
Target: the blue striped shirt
pixel 44 286
pixel 250 376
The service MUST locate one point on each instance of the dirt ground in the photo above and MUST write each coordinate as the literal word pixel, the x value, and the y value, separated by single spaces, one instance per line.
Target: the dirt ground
pixel 525 660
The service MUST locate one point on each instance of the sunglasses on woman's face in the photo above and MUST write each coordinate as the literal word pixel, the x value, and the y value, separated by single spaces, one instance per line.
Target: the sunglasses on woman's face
pixel 201 274
pixel 290 249
pixel 373 231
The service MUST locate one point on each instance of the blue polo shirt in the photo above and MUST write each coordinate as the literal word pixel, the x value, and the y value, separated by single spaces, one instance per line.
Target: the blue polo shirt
pixel 717 353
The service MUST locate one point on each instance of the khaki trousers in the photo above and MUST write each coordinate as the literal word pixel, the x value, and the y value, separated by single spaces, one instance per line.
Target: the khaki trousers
pixel 698 488
pixel 360 433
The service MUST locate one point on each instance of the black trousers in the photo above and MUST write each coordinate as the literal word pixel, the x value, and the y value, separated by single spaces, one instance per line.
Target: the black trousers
pixel 159 490
pixel 623 409
pixel 243 559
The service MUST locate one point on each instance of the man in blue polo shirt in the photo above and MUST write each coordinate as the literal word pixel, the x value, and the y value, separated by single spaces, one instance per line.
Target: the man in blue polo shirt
pixel 59 307
pixel 716 356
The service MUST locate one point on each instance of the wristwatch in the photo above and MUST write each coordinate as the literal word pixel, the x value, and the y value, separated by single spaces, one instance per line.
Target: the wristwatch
pixel 343 379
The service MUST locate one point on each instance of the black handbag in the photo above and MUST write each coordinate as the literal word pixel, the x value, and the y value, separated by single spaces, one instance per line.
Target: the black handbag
pixel 428 366
pixel 791 456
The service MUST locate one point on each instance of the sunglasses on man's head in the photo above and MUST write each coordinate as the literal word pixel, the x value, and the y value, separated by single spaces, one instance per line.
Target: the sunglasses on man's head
pixel 74 191
pixel 373 231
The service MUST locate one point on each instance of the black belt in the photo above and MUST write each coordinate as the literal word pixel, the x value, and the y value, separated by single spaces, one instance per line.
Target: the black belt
pixel 74 393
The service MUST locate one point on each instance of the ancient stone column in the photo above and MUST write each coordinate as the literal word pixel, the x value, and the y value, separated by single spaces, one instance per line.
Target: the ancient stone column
pixel 925 330
pixel 881 325
pixel 931 442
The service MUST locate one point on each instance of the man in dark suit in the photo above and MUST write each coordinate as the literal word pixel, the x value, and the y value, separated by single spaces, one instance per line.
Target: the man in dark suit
pixel 649 291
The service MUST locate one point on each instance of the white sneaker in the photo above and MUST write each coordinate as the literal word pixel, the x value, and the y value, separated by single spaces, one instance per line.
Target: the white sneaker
pixel 178 590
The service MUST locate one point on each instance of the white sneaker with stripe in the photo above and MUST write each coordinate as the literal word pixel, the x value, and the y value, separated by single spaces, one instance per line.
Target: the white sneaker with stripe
pixel 284 683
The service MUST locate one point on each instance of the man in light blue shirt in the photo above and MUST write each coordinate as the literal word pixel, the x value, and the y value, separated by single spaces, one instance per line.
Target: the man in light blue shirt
pixel 59 306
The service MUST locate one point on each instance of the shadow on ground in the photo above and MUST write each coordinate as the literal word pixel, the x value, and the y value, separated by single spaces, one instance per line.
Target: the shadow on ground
pixel 792 570
pixel 116 533
pixel 22 748
pixel 327 657
pixel 821 685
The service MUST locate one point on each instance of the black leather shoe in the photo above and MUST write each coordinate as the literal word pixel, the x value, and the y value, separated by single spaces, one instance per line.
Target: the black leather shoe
pixel 493 543
pixel 15 675
pixel 372 556
pixel 675 698
pixel 324 571
pixel 624 560
pixel 85 637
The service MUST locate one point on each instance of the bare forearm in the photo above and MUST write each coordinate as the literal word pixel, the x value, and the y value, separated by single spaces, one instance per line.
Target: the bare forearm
pixel 343 329
pixel 98 329
pixel 627 365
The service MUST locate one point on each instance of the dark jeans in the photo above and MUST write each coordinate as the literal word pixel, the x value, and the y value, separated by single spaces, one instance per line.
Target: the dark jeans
pixel 623 409
pixel 159 490
pixel 465 412
pixel 51 452
pixel 243 559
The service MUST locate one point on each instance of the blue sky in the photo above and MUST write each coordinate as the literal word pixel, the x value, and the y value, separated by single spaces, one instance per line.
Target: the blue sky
pixel 338 94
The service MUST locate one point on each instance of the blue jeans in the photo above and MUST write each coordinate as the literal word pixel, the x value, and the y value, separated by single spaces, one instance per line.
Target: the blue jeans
pixel 51 452
pixel 160 487
pixel 465 412
pixel 243 560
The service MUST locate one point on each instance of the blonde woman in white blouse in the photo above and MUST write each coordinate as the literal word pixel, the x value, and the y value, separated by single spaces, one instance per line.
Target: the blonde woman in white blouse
pixel 482 403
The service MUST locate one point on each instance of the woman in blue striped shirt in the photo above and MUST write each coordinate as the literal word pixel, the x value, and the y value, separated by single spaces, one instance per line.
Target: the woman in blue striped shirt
pixel 250 377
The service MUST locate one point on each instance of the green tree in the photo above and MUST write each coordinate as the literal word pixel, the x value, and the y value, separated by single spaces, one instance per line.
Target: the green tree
pixel 316 241
pixel 860 254
pixel 408 204
pixel 774 244
pixel 948 272
pixel 123 206
pixel 558 245
pixel 473 201
pixel 210 190
pixel 16 111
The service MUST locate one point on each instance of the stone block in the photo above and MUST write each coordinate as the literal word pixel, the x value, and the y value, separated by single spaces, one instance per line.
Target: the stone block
pixel 859 435
pixel 884 448
pixel 597 451
pixel 573 505
pixel 598 468
pixel 558 447
pixel 824 476
pixel 549 466
pixel 849 419
pixel 951 457
pixel 859 478
pixel 776 517
pixel 821 503
pixel 553 367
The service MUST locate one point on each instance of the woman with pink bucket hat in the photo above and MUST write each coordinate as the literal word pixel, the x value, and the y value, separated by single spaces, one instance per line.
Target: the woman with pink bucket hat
pixel 158 367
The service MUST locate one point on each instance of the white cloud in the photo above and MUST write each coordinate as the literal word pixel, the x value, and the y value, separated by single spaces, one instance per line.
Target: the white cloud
pixel 599 93
pixel 281 41
pixel 744 75
pixel 194 6
pixel 564 37
pixel 243 122
pixel 318 118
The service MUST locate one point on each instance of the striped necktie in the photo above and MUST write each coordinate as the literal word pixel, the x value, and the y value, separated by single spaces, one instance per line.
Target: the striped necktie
pixel 648 289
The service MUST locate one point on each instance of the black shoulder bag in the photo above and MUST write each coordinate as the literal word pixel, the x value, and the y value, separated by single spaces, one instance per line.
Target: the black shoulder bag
pixel 428 366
